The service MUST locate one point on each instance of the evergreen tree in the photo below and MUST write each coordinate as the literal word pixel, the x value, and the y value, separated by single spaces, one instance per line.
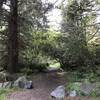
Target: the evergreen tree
pixel 19 21
pixel 74 27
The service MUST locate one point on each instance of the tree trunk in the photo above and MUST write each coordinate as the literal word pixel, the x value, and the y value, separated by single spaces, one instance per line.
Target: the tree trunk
pixel 1 4
pixel 13 38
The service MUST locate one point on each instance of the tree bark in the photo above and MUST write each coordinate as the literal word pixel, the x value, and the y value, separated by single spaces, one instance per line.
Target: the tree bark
pixel 1 4
pixel 13 38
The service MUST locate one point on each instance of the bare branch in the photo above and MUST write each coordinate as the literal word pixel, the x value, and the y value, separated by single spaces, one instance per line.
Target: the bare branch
pixel 93 24
pixel 94 34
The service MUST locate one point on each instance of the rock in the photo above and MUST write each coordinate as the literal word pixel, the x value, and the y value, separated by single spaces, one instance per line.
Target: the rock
pixel 1 85
pixel 59 92
pixel 97 89
pixel 79 89
pixel 73 93
pixel 3 76
pixel 6 85
pixel 22 82
pixel 87 88
pixel 29 85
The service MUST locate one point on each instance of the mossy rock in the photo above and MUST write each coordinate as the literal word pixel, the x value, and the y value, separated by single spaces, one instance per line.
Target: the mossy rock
pixel 84 89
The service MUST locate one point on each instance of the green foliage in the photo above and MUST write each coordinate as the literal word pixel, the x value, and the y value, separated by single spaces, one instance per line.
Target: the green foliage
pixel 74 86
pixel 76 32
pixel 93 94
pixel 77 76
pixel 31 20
pixel 26 71
pixel 73 47
pixel 4 92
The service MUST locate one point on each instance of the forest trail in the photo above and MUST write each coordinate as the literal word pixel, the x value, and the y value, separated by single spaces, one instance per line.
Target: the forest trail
pixel 44 84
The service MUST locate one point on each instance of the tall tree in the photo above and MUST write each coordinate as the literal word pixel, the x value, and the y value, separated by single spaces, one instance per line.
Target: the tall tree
pixel 19 22
pixel 13 37
pixel 74 27
pixel 1 3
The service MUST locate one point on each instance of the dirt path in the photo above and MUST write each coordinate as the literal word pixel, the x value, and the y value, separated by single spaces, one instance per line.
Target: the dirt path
pixel 43 85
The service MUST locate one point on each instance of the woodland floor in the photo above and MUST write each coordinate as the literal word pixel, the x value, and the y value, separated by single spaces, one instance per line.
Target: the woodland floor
pixel 44 84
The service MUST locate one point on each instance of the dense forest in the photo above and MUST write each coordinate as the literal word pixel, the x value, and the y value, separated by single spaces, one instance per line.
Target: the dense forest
pixel 31 44
pixel 28 41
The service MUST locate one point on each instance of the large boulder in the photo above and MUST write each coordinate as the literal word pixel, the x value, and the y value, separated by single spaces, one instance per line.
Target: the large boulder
pixel 87 88
pixel 59 92
pixel 22 82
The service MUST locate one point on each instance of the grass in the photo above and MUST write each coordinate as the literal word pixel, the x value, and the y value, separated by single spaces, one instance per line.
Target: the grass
pixel 2 97
pixel 82 98
pixel 4 92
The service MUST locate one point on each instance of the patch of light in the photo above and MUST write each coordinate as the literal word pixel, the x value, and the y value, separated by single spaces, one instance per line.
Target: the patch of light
pixel 54 18
pixel 6 7
pixel 98 17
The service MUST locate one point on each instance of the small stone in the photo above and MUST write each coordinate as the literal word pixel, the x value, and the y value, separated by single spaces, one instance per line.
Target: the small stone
pixel 1 85
pixel 73 93
pixel 29 85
